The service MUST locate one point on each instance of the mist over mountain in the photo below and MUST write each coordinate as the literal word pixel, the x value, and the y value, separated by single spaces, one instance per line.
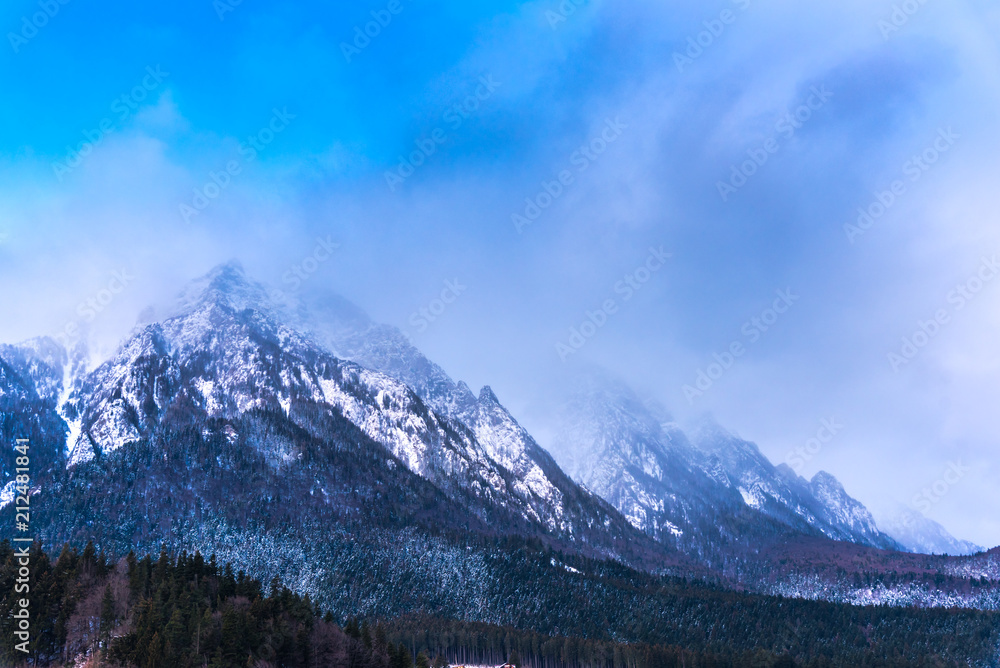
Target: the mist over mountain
pixel 296 440
pixel 400 335
pixel 287 391
pixel 918 533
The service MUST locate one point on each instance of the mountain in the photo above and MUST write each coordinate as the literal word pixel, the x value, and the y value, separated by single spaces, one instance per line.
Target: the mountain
pixel 920 534
pixel 820 505
pixel 225 354
pixel 709 491
pixel 223 427
pixel 847 514
pixel 292 436
pixel 701 497
pixel 613 444
pixel 31 381
pixel 556 500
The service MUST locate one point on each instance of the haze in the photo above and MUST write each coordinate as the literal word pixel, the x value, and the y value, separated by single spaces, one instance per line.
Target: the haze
pixel 528 161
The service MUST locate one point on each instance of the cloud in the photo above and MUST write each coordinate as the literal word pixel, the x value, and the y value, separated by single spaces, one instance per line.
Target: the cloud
pixel 654 185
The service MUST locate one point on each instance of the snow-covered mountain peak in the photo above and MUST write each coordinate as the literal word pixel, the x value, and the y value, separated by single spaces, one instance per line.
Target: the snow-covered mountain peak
pixel 826 481
pixel 230 353
pixel 226 285
pixel 787 472
pixel 233 348
pixel 918 533
pixel 671 482
pixel 487 397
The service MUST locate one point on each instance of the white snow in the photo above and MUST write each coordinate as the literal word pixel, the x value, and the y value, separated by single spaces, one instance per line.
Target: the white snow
pixel 207 390
pixel 752 498
pixel 8 494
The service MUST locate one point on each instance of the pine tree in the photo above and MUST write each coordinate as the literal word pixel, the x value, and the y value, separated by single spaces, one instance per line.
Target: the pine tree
pixel 107 614
pixel 154 655
pixel 366 634
pixel 89 559
pixel 403 657
pixel 176 631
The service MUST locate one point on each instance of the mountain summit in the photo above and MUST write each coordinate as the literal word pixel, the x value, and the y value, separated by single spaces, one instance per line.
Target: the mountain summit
pixel 296 437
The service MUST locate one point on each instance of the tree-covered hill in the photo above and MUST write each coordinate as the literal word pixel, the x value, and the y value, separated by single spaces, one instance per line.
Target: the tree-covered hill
pixel 186 611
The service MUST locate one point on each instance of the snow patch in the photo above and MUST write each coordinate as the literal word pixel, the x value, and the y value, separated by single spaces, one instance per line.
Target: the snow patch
pixel 752 498
pixel 8 494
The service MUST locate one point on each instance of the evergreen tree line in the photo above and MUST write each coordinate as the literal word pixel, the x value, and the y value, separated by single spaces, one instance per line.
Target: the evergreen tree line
pixel 460 643
pixel 168 613
pixel 187 612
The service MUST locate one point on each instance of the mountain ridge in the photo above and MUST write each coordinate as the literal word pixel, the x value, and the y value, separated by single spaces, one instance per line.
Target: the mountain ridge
pixel 234 401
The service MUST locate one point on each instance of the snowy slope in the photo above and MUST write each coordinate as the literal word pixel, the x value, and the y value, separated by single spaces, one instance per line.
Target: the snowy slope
pixel 226 351
pixel 348 332
pixel 41 361
pixel 611 443
pixel 699 496
pixel 922 535
pixel 29 390
pixel 222 355
pixel 822 503
pixel 670 483
pixel 344 416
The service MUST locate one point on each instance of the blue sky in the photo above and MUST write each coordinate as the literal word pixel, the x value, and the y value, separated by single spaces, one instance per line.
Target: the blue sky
pixel 557 82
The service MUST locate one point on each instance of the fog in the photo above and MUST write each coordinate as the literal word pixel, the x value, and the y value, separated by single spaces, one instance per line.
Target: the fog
pixel 821 177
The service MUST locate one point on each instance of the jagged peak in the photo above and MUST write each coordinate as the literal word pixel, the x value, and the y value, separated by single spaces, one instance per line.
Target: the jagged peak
pixel 712 438
pixel 828 481
pixel 226 284
pixel 487 397
pixel 226 277
pixel 788 472
pixel 232 268
pixel 922 535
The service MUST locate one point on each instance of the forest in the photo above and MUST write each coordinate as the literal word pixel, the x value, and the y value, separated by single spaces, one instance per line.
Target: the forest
pixel 185 611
